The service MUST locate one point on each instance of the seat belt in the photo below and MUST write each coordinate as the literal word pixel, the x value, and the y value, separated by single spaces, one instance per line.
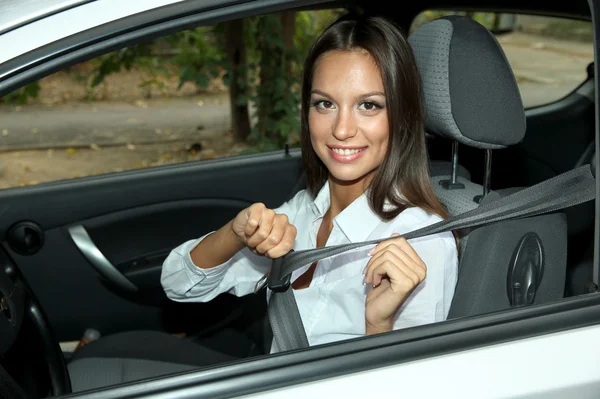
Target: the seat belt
pixel 565 190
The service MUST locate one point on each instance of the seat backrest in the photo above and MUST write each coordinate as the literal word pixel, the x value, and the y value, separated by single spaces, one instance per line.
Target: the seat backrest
pixel 471 97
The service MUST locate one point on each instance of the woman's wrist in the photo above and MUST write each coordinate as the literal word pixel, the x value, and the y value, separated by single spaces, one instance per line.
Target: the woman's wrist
pixel 216 248
pixel 379 327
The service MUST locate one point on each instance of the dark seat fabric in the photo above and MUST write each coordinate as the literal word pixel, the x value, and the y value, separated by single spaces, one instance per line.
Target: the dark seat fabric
pixel 136 355
pixel 444 168
pixel 490 251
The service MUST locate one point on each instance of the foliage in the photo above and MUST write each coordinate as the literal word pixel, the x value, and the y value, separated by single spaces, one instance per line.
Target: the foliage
pixel 22 95
pixel 200 56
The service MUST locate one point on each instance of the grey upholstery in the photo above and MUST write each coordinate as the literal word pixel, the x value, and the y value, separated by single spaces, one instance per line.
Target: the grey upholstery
pixel 444 168
pixel 458 201
pixel 487 256
pixel 136 355
pixel 98 372
pixel 471 96
pixel 470 93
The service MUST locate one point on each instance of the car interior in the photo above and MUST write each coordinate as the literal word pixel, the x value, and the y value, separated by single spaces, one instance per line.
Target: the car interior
pixel 88 252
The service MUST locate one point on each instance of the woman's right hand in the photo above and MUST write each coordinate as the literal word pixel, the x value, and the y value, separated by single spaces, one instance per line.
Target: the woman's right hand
pixel 263 231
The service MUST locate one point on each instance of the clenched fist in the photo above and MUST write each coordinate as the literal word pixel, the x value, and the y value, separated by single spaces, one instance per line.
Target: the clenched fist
pixel 263 231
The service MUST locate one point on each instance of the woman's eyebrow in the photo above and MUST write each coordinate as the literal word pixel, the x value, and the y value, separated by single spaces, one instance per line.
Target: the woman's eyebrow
pixel 364 95
pixel 373 93
pixel 319 92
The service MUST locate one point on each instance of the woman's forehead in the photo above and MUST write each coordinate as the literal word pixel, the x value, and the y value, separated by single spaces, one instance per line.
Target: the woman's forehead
pixel 347 70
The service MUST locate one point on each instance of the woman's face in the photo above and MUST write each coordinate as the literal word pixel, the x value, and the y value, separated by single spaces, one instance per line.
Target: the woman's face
pixel 348 119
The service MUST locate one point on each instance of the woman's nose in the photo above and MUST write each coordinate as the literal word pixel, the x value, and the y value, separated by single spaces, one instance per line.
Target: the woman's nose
pixel 345 125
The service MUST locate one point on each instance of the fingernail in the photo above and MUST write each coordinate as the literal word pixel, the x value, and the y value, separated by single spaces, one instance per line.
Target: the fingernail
pixel 395 234
pixel 371 251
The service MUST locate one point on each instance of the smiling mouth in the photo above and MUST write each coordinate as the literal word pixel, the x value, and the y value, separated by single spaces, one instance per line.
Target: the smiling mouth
pixel 347 151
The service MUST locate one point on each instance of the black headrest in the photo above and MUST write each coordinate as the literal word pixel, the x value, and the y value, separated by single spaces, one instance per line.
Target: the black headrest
pixel 470 92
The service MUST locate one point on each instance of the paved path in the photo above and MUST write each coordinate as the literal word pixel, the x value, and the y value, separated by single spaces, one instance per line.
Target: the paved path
pixel 111 123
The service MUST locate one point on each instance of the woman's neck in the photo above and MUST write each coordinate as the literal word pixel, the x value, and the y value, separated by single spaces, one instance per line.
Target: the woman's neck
pixel 342 194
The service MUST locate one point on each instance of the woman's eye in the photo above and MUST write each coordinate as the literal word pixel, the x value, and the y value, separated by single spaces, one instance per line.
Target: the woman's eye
pixel 368 106
pixel 323 104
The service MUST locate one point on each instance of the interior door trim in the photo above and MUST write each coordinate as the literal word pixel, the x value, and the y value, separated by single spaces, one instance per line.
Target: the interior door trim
pixel 92 253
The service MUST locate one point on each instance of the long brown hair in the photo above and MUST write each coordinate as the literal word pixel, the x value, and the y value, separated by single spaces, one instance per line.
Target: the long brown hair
pixel 403 176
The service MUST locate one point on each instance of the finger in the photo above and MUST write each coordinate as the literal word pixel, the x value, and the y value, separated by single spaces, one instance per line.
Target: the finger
pixel 264 228
pixel 390 258
pixel 418 268
pixel 391 271
pixel 403 244
pixel 374 262
pixel 401 279
pixel 285 245
pixel 254 215
pixel 385 255
pixel 279 223
pixel 384 244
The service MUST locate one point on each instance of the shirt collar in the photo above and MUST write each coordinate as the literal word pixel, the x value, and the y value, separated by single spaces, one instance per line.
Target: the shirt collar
pixel 357 221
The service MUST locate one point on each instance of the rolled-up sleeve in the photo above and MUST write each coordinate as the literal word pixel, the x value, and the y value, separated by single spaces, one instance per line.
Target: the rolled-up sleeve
pixel 183 281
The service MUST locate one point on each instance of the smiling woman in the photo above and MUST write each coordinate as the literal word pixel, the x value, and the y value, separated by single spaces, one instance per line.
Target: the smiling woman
pixel 363 148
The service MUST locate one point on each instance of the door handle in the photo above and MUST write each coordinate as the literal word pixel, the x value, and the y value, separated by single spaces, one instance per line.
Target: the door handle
pixel 90 251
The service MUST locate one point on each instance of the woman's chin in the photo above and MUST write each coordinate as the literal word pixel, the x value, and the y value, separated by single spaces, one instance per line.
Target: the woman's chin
pixel 348 179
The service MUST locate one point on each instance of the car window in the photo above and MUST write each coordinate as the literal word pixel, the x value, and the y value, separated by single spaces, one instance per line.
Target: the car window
pixel 549 55
pixel 191 96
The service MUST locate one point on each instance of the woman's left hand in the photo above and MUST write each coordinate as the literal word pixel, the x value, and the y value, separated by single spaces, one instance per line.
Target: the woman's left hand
pixel 394 271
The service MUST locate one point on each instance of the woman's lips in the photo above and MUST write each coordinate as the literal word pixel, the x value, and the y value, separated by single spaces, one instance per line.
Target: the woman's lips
pixel 346 154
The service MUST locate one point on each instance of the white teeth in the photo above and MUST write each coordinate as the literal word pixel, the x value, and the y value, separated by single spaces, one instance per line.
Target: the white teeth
pixel 346 151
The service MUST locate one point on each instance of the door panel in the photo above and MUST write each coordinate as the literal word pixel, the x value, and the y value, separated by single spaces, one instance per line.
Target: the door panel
pixel 135 219
pixel 152 231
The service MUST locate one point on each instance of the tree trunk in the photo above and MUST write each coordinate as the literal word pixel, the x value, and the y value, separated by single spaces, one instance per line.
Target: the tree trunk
pixel 275 68
pixel 288 21
pixel 238 96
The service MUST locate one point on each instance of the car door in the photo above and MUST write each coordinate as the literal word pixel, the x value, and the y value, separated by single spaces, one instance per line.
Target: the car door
pixel 93 252
pixel 89 216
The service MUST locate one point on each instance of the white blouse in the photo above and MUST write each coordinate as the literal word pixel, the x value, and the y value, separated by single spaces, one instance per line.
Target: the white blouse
pixel 333 306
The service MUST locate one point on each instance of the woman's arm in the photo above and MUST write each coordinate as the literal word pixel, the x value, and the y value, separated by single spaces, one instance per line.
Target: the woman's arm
pixel 233 258
pixel 262 230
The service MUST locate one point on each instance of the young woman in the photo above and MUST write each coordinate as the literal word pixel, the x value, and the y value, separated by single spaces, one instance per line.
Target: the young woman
pixel 364 155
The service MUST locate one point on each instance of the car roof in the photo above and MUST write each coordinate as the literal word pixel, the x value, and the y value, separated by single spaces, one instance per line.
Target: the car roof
pixel 15 13
pixel 34 27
